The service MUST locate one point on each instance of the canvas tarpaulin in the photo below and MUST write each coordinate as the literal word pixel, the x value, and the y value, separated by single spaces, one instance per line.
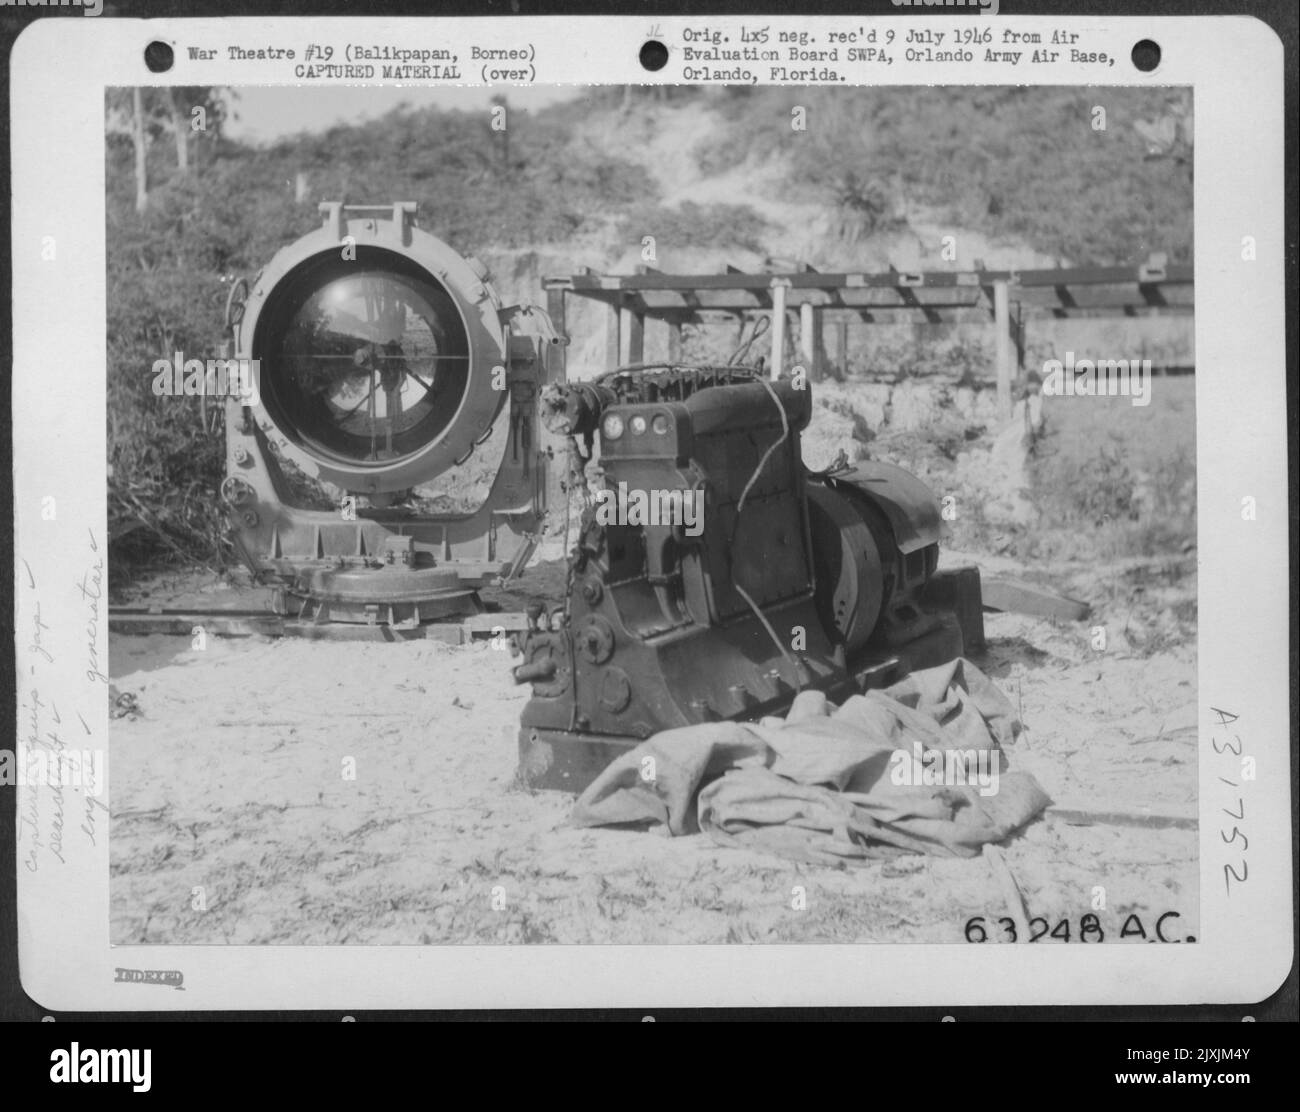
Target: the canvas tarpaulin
pixel 916 767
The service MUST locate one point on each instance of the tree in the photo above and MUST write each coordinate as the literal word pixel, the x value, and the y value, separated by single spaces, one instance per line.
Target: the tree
pixel 146 114
pixel 192 110
pixel 180 129
pixel 141 164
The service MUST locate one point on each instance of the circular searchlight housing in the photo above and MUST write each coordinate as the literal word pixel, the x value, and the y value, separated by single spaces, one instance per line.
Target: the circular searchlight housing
pixel 362 363
pixel 375 345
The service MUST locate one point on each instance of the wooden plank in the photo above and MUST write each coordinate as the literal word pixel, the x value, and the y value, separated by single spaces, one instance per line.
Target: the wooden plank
pixel 1002 340
pixel 941 279
pixel 182 625
pixel 810 339
pixel 1022 598
pixel 779 287
pixel 484 624
pixel 257 624
pixel 613 342
pixel 632 336
pixel 557 356
pixel 1148 818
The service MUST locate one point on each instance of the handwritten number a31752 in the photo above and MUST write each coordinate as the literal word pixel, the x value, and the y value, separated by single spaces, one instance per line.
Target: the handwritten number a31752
pixel 1234 747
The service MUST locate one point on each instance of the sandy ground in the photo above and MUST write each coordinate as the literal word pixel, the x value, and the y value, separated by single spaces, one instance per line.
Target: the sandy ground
pixel 233 779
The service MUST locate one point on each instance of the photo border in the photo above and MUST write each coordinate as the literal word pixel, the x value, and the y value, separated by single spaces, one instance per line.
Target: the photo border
pixel 1246 946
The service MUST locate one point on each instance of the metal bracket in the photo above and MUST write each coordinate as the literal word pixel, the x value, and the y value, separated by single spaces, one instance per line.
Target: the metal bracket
pixel 1155 269
pixel 401 213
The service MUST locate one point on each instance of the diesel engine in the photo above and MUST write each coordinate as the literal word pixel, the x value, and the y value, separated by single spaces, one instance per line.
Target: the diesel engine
pixel 715 577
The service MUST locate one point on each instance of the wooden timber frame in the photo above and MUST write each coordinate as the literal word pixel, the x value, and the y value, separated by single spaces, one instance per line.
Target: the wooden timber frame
pixel 666 302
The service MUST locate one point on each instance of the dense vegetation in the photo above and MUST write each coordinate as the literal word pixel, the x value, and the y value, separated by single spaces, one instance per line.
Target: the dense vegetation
pixel 1019 162
pixel 1008 162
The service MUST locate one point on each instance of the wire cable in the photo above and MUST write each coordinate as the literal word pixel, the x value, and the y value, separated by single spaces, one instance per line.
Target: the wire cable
pixel 735 525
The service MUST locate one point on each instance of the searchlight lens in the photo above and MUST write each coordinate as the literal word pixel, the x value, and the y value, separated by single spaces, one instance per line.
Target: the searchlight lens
pixel 366 360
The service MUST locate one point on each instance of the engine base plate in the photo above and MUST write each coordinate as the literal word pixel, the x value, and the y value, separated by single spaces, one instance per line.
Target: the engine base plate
pixel 562 760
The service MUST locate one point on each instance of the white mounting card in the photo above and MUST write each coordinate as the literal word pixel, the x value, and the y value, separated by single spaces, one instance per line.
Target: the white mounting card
pixel 214 822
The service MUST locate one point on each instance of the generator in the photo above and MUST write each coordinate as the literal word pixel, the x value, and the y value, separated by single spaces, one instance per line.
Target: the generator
pixel 381 360
pixel 715 577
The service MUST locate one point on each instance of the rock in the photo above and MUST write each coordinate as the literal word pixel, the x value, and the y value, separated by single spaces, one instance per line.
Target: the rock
pixel 831 431
pixel 917 405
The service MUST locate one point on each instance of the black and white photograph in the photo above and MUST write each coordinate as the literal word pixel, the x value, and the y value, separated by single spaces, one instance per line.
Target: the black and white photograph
pixel 669 515
pixel 721 512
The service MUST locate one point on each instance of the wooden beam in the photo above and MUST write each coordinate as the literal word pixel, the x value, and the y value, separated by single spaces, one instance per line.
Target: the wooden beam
pixel 1077 813
pixel 631 336
pixel 1002 341
pixel 558 356
pixel 735 279
pixel 779 286
pixel 613 341
pixel 1011 595
pixel 810 340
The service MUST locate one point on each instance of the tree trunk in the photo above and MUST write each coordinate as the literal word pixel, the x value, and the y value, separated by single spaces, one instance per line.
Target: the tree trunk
pixel 137 135
pixel 180 130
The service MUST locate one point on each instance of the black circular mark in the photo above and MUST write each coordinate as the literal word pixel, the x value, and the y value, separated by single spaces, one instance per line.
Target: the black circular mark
pixel 654 55
pixel 1146 55
pixel 158 57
